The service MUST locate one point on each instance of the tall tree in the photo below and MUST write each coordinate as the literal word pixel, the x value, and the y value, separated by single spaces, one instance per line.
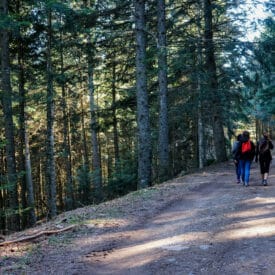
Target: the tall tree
pixel 50 168
pixel 114 114
pixel 96 159
pixel 143 122
pixel 27 193
pixel 69 197
pixel 6 100
pixel 199 73
pixel 84 176
pixel 163 146
pixel 213 89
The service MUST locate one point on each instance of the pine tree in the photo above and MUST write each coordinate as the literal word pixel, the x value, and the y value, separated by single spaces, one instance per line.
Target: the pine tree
pixel 163 145
pixel 144 135
pixel 211 69
pixel 6 100
pixel 50 168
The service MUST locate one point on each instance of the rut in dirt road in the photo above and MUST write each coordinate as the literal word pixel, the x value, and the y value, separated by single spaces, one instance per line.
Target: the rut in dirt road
pixel 220 227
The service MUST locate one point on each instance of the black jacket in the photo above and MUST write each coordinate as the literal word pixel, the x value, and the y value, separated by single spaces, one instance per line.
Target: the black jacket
pixel 266 154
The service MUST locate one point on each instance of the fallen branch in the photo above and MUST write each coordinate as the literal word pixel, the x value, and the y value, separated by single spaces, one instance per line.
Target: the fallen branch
pixel 46 232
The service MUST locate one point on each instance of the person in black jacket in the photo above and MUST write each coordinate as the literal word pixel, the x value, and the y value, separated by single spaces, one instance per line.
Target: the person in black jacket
pixel 263 153
pixel 246 153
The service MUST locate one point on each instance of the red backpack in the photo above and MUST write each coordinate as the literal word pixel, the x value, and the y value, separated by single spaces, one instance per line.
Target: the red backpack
pixel 246 146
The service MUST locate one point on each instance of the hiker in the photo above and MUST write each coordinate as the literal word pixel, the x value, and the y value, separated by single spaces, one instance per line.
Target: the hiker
pixel 263 150
pixel 246 153
pixel 236 157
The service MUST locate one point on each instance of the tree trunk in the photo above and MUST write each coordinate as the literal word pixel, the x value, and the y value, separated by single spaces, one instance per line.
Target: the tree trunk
pixel 210 66
pixel 27 194
pixel 21 165
pixel 50 169
pixel 201 144
pixel 96 162
pixel 85 184
pixel 29 182
pixel 27 197
pixel 96 159
pixel 13 219
pixel 200 114
pixel 3 193
pixel 163 146
pixel 115 127
pixel 143 122
pixel 69 192
pixel 84 138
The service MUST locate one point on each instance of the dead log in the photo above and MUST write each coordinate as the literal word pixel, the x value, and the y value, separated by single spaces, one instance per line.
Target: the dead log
pixel 32 237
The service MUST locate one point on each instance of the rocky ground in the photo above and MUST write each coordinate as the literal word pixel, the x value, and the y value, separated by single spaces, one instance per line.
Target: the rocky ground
pixel 202 223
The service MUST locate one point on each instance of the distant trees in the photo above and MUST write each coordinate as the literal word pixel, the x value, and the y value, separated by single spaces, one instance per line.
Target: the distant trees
pixel 262 78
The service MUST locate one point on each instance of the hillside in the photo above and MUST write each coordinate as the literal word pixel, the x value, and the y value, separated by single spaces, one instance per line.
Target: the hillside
pixel 202 223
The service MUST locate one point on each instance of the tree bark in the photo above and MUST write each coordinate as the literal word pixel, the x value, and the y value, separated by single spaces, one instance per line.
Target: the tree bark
pixel 143 122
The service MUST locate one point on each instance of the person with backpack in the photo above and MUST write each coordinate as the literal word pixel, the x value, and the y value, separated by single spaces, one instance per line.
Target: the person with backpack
pixel 246 152
pixel 263 153
pixel 236 157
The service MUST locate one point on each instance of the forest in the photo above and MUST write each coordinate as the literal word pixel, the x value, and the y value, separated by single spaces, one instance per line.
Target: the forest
pixel 101 98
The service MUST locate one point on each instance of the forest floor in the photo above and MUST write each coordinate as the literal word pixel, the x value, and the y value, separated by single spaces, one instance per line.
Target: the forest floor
pixel 201 223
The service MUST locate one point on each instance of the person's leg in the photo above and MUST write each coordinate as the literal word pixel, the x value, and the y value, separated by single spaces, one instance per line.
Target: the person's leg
pixel 236 169
pixel 247 165
pixel 242 170
pixel 266 171
pixel 262 168
pixel 239 172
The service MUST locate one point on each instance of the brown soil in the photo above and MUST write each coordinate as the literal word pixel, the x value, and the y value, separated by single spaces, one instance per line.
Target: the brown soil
pixel 202 223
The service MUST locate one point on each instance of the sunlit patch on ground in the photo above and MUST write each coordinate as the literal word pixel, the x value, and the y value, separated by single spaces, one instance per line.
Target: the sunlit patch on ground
pixel 106 223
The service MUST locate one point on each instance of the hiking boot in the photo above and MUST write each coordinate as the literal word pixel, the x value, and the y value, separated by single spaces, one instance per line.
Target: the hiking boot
pixel 246 184
pixel 238 181
pixel 265 182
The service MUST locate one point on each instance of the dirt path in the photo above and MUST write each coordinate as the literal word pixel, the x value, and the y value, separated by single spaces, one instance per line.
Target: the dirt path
pixel 213 227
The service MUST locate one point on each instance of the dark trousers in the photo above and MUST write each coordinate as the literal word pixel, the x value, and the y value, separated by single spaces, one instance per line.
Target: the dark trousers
pixel 238 170
pixel 264 165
